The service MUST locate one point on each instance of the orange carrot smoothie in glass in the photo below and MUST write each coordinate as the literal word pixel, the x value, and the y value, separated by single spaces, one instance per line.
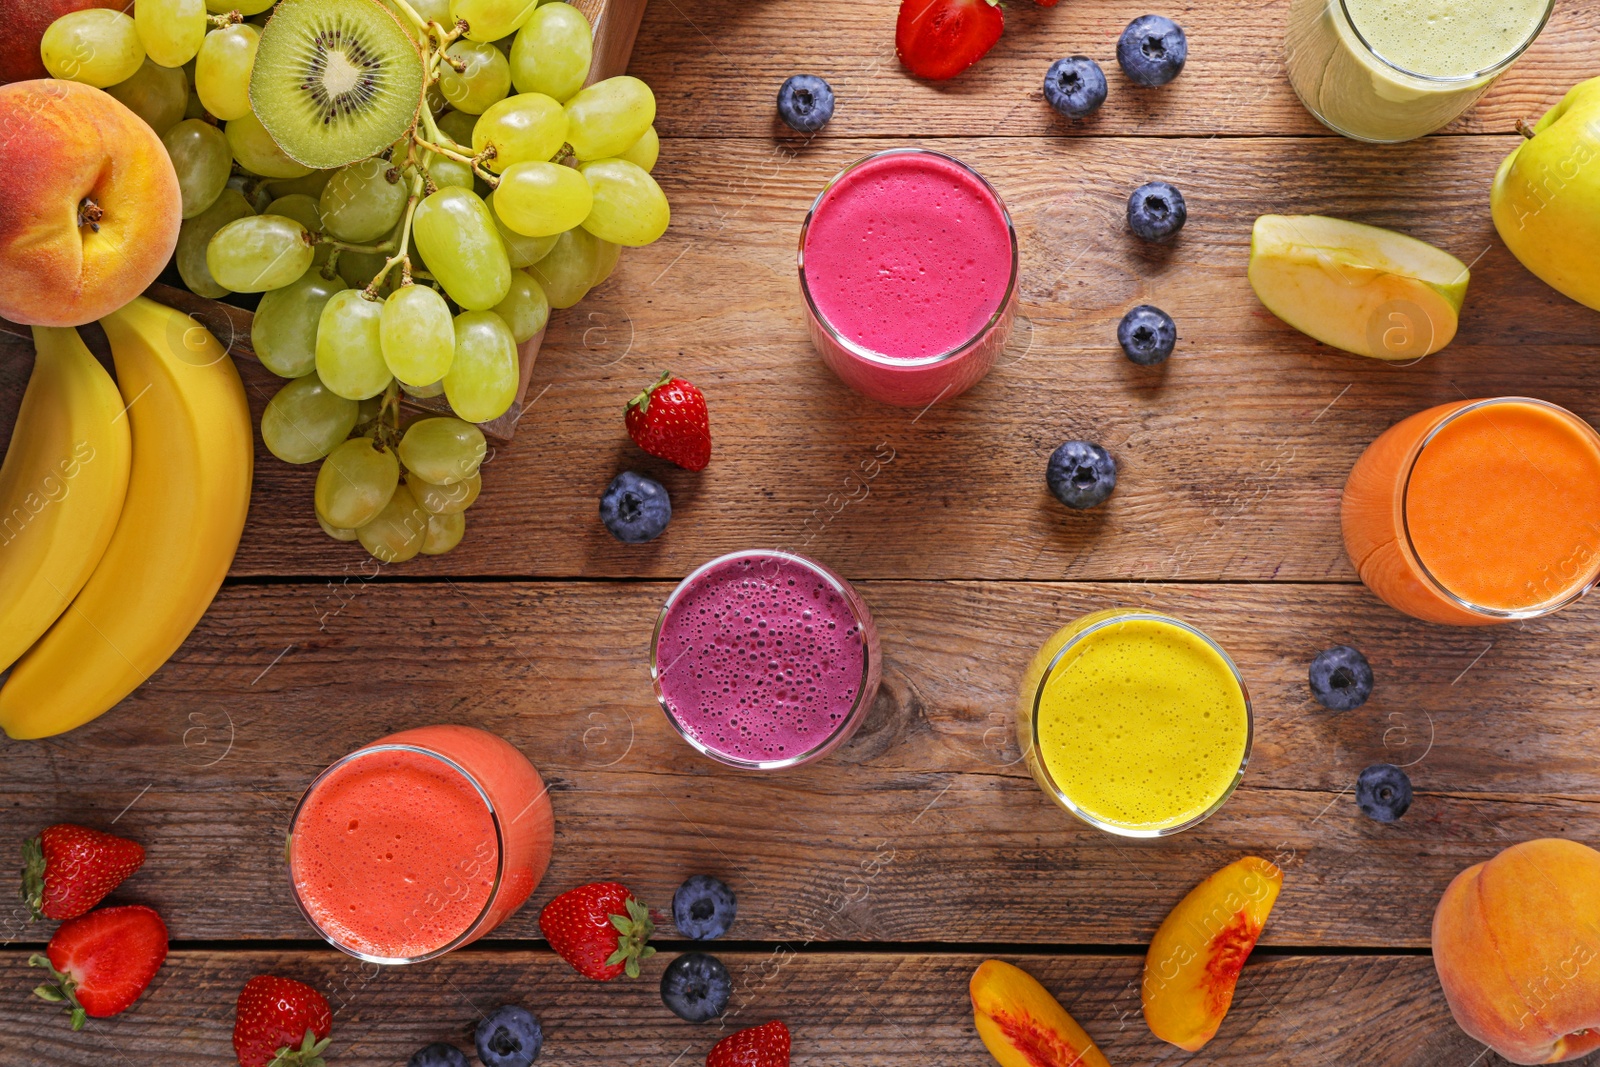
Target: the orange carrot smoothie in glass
pixel 1478 512
pixel 419 843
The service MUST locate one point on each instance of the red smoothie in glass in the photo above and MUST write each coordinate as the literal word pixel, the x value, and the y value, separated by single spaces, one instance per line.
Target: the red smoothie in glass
pixel 908 262
pixel 420 843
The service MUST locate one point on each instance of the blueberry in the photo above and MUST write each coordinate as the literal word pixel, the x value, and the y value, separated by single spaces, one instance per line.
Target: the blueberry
pixel 1080 474
pixel 438 1054
pixel 1075 86
pixel 1156 212
pixel 703 908
pixel 509 1036
pixel 696 987
pixel 1384 792
pixel 635 508
pixel 1152 50
pixel 1341 678
pixel 1147 335
pixel 805 102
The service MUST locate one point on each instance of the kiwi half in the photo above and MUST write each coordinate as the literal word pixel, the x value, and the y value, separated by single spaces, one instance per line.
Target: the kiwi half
pixel 335 80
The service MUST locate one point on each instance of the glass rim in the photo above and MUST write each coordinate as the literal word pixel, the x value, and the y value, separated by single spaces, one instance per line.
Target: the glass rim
pixel 858 610
pixel 1543 608
pixel 1119 615
pixel 1493 70
pixel 871 355
pixel 467 935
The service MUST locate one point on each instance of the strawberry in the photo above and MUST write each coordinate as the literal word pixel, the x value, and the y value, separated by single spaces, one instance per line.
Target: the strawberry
pixel 281 1022
pixel 669 420
pixel 766 1045
pixel 69 869
pixel 99 963
pixel 600 929
pixel 939 39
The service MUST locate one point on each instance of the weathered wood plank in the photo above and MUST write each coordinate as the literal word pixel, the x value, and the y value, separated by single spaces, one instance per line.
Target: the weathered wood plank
pixel 1232 457
pixel 716 67
pixel 870 1010
pixel 926 827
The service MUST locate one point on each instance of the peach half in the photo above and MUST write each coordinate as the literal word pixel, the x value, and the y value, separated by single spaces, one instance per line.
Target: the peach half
pixel 1194 961
pixel 1022 1025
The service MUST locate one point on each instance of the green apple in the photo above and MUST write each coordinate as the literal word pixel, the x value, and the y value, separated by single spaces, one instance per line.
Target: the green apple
pixel 1359 288
pixel 1546 196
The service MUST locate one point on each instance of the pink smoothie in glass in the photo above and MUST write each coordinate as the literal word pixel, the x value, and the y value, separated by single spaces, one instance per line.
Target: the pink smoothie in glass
pixel 765 659
pixel 908 260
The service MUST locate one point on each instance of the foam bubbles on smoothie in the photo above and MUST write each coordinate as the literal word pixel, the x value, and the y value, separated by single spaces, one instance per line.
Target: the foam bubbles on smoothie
pixel 760 660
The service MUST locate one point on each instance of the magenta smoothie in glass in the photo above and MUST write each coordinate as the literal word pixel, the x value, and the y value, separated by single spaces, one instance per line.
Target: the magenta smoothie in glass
pixel 908 263
pixel 765 660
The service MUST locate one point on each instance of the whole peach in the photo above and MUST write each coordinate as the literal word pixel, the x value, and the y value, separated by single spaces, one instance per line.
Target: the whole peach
pixel 91 211
pixel 25 22
pixel 1516 942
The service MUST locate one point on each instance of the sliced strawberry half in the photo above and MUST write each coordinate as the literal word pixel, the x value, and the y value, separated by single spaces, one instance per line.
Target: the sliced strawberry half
pixel 938 39
pixel 99 963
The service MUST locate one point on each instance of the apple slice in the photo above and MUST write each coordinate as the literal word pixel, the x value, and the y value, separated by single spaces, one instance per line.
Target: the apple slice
pixel 1359 288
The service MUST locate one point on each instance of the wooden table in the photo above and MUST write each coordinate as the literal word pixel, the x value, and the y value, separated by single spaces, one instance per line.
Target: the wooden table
pixel 871 885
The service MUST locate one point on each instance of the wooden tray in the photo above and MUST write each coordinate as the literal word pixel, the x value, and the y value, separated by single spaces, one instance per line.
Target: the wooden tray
pixel 616 25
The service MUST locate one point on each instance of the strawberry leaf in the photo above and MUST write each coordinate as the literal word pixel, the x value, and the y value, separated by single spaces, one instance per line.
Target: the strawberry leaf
pixel 33 878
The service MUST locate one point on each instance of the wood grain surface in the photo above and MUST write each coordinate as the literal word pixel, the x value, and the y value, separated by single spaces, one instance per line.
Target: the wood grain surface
pixel 872 883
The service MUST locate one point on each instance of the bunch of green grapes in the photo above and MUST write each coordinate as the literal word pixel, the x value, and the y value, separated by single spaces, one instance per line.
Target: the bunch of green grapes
pixel 420 271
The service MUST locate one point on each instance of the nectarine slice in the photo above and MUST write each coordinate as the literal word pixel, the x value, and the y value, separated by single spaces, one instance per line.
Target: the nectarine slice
pixel 1194 961
pixel 1022 1025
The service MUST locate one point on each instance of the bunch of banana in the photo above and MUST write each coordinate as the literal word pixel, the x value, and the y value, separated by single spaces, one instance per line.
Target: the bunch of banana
pixel 102 581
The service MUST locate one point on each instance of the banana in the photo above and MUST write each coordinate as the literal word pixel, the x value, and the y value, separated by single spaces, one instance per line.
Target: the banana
pixel 61 487
pixel 188 491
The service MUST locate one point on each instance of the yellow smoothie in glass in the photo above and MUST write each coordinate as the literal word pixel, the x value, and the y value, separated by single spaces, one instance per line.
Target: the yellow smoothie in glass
pixel 1135 722
pixel 1392 70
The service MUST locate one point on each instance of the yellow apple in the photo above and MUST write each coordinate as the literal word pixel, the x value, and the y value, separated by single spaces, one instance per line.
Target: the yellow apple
pixel 1359 288
pixel 1546 196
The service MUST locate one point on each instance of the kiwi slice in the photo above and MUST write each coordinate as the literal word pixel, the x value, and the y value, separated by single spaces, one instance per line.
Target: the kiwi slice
pixel 335 80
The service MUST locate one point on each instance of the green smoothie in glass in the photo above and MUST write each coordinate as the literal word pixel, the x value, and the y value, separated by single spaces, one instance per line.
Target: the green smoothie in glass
pixel 1392 70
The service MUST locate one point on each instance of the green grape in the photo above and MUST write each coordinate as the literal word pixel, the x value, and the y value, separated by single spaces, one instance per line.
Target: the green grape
pixel 606 260
pixel 304 210
pixel 482 383
pixel 429 391
pixel 445 171
pixel 540 199
pixel 522 251
pixel 200 156
pixel 629 207
pixel 350 349
pixel 195 237
pixel 243 7
pixel 552 53
pixel 257 255
pixel 284 333
pixel 222 70
pixel 444 533
pixel 170 30
pixel 258 153
pixel 458 126
pixel 456 235
pixel 433 11
pixel 360 203
pixel 305 420
pixel 310 185
pixel 486 79
pixel 334 532
pixel 525 309
pixel 449 499
pixel 156 94
pixel 397 533
pixel 96 46
pixel 645 151
pixel 418 335
pixel 443 450
pixel 527 128
pixel 490 20
pixel 605 119
pixel 356 482
pixel 567 274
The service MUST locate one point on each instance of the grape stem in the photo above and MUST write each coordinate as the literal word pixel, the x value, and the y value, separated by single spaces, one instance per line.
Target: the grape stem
pixel 402 255
pixel 475 162
pixel 222 22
